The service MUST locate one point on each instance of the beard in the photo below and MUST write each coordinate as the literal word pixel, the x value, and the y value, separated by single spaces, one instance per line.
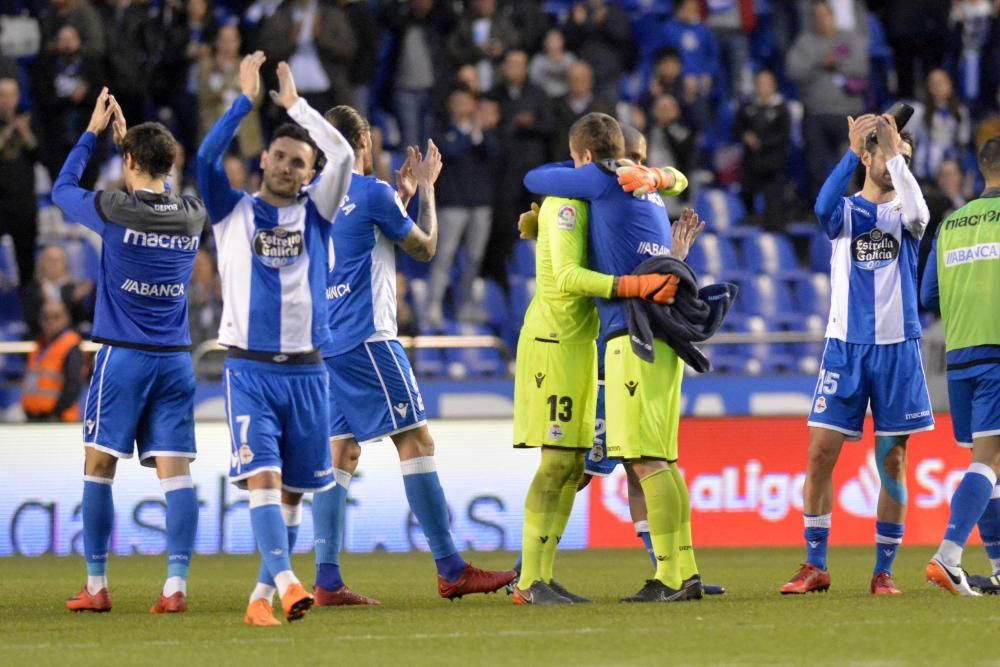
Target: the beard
pixel 282 187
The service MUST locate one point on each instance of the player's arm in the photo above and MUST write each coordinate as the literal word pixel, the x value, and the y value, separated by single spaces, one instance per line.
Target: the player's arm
pixel 930 295
pixel 915 212
pixel 220 197
pixel 829 206
pixel 565 225
pixel 420 242
pixel 78 204
pixel 640 180
pixel 328 193
pixel 563 181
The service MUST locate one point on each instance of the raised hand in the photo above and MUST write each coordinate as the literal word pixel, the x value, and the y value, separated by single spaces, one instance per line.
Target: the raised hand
pixel 428 169
pixel 887 135
pixel 118 125
pixel 858 130
pixel 406 181
pixel 103 110
pixel 250 74
pixel 286 95
pixel 684 232
pixel 641 180
pixel 527 223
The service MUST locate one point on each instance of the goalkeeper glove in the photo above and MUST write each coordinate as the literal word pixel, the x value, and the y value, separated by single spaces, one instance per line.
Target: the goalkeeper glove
pixel 659 288
pixel 641 180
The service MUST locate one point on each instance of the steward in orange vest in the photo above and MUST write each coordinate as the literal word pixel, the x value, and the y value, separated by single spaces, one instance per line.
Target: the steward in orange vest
pixel 54 377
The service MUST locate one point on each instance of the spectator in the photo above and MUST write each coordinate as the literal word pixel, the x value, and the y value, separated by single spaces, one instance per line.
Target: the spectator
pixel 831 70
pixel 944 197
pixel 176 179
pixel 218 88
pixel 970 22
pixel 481 39
pixel 406 324
pixel 468 77
pixel 82 16
pixel 580 100
pixel 670 142
pixel 132 57
pixel 236 172
pixel 19 150
pixel 204 299
pixel 53 282
pixel 363 68
pixel 419 63
pixel 66 84
pixel 763 125
pixel 917 31
pixel 940 125
pixel 469 144
pixel 697 46
pixel 598 31
pixel 731 21
pixel 317 42
pixel 548 69
pixel 529 20
pixel 525 130
pixel 55 373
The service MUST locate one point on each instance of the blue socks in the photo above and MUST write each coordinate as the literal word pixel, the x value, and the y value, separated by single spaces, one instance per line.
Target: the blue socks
pixel 426 498
pixel 888 537
pixel 98 521
pixel 292 516
pixel 269 530
pixel 967 506
pixel 329 512
pixel 642 530
pixel 989 529
pixel 182 523
pixel 817 533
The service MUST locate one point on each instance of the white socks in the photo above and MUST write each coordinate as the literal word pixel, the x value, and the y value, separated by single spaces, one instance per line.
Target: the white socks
pixel 95 584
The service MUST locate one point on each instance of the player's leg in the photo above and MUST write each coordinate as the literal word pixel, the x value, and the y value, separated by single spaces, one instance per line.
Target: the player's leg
pixel 901 406
pixel 974 493
pixel 114 399
pixel 291 512
pixel 989 531
pixel 165 439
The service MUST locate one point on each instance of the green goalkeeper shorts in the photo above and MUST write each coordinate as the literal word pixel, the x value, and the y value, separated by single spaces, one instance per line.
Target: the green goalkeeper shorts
pixel 642 401
pixel 555 394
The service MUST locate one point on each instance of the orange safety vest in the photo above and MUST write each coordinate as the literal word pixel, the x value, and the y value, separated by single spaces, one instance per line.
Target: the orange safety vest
pixel 43 380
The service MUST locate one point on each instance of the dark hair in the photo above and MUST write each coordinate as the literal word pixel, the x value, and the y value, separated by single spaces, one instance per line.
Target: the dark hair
pixel 666 52
pixel 631 136
pixel 989 157
pixel 349 122
pixel 298 133
pixel 152 147
pixel 871 143
pixel 954 102
pixel 600 134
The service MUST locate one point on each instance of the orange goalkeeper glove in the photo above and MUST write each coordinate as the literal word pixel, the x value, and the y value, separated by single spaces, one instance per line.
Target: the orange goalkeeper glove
pixel 641 180
pixel 659 288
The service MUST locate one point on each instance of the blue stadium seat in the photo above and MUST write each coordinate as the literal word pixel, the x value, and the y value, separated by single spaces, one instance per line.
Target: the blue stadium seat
pixel 712 254
pixel 812 294
pixel 82 259
pixel 8 263
pixel 766 296
pixel 428 362
pixel 474 361
pixel 820 251
pixel 521 291
pixel 720 209
pixel 768 253
pixel 522 262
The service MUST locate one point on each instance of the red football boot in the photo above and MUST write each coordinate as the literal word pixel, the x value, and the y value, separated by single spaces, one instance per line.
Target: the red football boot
pixel 474 580
pixel 99 602
pixel 882 584
pixel 170 604
pixel 342 597
pixel 808 579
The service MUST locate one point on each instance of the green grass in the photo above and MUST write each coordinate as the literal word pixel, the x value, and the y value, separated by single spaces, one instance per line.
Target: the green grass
pixel 752 624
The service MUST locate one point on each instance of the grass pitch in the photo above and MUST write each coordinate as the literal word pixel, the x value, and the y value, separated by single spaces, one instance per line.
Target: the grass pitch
pixel 751 625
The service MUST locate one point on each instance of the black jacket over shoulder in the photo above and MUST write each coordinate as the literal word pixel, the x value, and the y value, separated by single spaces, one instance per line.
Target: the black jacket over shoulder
pixel 694 317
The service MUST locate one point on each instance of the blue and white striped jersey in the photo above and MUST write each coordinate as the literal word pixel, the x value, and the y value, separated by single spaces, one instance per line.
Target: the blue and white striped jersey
pixel 873 269
pixel 361 285
pixel 149 244
pixel 274 261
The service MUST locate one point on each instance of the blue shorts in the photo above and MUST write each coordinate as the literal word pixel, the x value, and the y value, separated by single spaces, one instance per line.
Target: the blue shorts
pixel 597 462
pixel 975 405
pixel 277 422
pixel 141 398
pixel 891 377
pixel 373 393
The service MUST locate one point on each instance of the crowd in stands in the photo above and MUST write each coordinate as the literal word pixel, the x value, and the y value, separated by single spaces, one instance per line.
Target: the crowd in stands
pixel 748 97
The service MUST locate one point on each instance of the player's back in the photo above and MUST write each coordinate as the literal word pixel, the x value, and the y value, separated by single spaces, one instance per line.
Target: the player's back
pixel 555 314
pixel 273 264
pixel 873 273
pixel 150 241
pixel 361 282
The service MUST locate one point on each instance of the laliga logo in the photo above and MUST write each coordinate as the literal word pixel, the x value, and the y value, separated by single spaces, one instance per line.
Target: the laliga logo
pixel 859 496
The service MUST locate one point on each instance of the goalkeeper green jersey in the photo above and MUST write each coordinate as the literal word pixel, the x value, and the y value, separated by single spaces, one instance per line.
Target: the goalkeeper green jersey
pixel 563 308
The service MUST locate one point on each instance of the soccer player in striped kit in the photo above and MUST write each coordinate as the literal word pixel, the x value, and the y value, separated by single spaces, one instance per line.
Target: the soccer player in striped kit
pixel 872 350
pixel 142 391
pixel 273 259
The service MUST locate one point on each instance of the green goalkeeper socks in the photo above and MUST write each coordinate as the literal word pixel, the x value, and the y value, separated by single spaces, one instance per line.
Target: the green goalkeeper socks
pixel 686 562
pixel 663 510
pixel 539 507
pixel 560 517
